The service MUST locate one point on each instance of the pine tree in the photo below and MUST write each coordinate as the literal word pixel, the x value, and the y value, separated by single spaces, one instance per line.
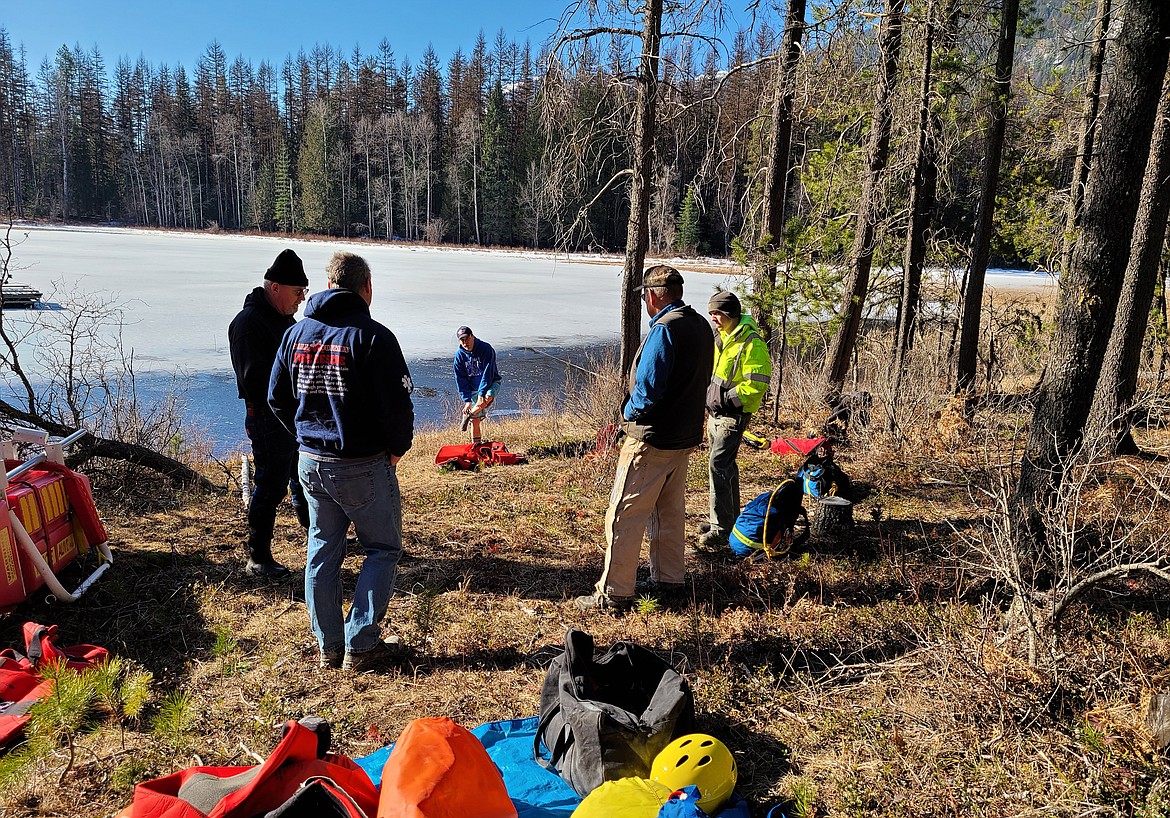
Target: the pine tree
pixel 282 207
pixel 262 205
pixel 498 193
pixel 687 229
pixel 317 171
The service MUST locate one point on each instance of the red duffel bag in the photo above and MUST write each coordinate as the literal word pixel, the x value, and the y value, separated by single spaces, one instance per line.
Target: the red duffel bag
pixel 301 777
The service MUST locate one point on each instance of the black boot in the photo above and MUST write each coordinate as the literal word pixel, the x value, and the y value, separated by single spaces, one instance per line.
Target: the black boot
pixel 260 560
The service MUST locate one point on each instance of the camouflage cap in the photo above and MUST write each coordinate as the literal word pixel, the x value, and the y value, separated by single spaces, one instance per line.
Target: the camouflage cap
pixel 660 276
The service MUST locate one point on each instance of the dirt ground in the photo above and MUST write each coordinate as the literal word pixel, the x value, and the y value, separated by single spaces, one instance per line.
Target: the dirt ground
pixel 862 676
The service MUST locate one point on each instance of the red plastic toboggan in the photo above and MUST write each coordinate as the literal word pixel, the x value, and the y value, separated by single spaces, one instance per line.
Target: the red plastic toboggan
pixel 47 521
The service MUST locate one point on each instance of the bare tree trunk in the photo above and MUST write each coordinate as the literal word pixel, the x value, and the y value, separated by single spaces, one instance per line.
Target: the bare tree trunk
pixel 475 191
pixel 1083 160
pixel 1119 373
pixel 62 130
pixel 776 190
pixel 1090 290
pixel 924 188
pixel 857 282
pixel 369 195
pixel 1001 87
pixel 922 196
pixel 1163 313
pixel 638 232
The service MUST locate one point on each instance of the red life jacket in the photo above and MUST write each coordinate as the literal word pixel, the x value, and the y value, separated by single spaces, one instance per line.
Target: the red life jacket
pixel 21 686
pixel 300 773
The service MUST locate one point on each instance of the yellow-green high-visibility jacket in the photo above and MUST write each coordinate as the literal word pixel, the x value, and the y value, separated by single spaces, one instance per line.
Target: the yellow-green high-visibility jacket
pixel 743 369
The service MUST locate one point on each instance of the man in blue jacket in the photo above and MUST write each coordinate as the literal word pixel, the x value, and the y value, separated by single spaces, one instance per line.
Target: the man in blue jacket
pixel 341 384
pixel 477 378
pixel 253 338
pixel 663 424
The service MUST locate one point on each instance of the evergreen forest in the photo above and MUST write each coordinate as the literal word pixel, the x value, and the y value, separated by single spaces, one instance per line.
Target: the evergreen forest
pixel 512 143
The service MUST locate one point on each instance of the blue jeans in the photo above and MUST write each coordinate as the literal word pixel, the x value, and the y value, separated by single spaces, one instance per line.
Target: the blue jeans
pixel 364 492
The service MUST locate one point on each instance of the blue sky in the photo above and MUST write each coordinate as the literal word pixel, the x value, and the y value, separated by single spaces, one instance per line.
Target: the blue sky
pixel 178 31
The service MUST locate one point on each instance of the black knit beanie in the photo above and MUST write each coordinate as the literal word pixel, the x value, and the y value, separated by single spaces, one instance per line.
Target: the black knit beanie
pixel 288 269
pixel 726 303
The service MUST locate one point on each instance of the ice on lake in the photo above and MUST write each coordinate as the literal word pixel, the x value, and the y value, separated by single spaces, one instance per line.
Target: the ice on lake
pixel 180 291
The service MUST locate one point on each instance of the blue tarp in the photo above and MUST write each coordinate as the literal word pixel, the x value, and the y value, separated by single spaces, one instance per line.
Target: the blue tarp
pixel 536 792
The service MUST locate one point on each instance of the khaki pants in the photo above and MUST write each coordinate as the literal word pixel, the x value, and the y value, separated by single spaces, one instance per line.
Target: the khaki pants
pixel 649 496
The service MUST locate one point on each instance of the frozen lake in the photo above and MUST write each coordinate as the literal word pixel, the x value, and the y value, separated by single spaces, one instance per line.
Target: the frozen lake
pixel 180 291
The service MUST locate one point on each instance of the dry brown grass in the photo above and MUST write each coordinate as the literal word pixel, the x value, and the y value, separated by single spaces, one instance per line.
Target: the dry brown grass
pixel 858 679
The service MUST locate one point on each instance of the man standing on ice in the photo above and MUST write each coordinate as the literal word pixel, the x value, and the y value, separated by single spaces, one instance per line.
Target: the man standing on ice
pixel 340 382
pixel 253 338
pixel 477 378
pixel 663 424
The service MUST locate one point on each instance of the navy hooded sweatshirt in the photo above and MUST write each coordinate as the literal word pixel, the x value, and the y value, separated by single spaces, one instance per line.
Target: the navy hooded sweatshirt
pixel 340 383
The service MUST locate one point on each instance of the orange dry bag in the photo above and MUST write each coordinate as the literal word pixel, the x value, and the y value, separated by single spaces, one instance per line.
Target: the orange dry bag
pixel 440 770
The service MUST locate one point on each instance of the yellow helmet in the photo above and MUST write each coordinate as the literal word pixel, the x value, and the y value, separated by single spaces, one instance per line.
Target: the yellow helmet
pixel 701 760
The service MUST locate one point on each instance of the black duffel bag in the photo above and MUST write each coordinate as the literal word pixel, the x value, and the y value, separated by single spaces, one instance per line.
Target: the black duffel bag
pixel 606 716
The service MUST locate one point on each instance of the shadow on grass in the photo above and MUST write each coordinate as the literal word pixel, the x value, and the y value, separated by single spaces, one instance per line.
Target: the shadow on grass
pixel 145 608
pixel 490 574
pixel 845 662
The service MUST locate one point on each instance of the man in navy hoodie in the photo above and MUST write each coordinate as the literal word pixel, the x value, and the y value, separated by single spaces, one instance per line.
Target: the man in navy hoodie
pixel 341 385
pixel 477 377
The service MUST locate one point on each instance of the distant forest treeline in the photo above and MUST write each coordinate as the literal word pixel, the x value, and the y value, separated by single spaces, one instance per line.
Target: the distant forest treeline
pixel 507 145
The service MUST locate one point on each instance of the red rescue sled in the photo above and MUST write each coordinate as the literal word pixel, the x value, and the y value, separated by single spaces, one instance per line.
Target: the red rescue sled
pixel 47 520
pixel 475 455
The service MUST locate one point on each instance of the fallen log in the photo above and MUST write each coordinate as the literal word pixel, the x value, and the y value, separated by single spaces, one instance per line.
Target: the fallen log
pixel 92 446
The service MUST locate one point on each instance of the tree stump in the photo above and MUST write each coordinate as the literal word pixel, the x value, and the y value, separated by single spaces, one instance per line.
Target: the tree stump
pixel 1158 714
pixel 832 518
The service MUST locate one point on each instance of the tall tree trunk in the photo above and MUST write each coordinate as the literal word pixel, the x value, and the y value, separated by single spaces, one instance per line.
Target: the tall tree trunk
pixel 922 196
pixel 1090 290
pixel 62 129
pixel 776 190
pixel 1001 87
pixel 1119 373
pixel 857 282
pixel 1162 313
pixel 1083 159
pixel 638 229
pixel 475 194
pixel 369 195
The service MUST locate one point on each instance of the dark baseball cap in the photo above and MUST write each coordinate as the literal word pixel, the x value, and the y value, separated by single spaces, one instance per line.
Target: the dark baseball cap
pixel 660 275
pixel 463 332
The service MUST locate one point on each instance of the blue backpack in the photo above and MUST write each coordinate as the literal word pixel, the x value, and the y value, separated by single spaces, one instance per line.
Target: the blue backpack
pixel 768 523
pixel 820 476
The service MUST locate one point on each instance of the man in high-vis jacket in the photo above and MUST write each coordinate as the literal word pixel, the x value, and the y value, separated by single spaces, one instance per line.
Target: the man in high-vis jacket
pixel 743 370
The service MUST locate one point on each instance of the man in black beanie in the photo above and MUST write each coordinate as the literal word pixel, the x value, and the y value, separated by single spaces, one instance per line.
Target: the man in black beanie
pixel 253 338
